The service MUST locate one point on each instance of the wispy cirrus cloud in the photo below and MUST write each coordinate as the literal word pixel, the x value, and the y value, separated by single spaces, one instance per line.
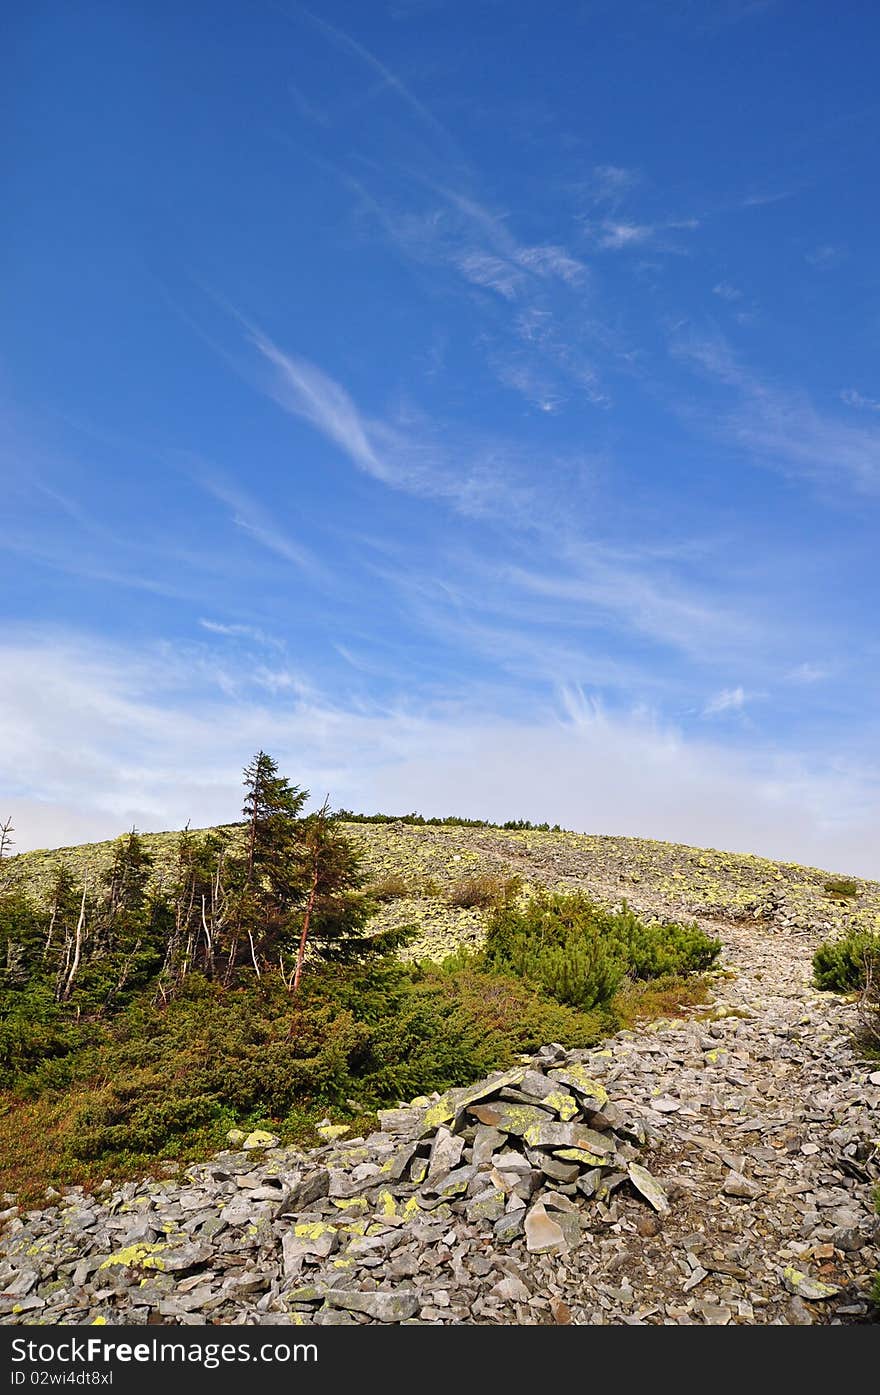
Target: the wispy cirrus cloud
pixel 345 42
pixel 302 388
pixel 808 673
pixel 618 235
pixel 234 630
pixel 727 700
pixel 544 287
pixel 825 256
pixel 406 452
pixel 615 237
pixel 643 597
pixel 780 426
pixel 464 233
pixel 725 291
pixel 856 399
pixel 611 184
pixel 527 379
pixel 249 516
pixel 308 109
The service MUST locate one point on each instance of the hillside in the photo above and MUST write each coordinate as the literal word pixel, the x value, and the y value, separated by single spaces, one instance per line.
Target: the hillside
pixel 716 1165
pixel 656 878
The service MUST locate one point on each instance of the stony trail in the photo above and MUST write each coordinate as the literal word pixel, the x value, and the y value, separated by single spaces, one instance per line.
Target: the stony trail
pixel 768 1125
pixel 757 1117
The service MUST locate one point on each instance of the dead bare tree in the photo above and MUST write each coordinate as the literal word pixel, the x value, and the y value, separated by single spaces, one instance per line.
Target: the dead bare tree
pixel 70 974
pixel 6 844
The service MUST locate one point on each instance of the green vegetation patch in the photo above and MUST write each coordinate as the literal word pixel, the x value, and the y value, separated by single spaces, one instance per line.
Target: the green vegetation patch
pixel 580 953
pixel 842 888
pixel 845 965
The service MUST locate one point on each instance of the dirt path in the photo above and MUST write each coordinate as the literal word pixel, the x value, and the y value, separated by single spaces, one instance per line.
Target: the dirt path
pixel 768 1132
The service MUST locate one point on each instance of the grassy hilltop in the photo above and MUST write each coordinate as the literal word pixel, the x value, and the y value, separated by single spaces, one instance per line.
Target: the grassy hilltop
pixel 422 871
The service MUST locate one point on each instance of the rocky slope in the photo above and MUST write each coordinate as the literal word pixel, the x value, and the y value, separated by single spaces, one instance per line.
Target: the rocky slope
pixel 668 879
pixel 524 1201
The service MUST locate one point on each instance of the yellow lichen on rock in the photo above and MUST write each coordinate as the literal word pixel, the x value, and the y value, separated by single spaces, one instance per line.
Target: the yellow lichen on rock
pixel 141 1256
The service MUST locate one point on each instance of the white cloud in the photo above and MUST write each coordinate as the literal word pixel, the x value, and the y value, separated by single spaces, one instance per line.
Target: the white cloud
pixel 824 256
pixel 852 398
pixel 306 107
pixel 238 631
pixel 95 739
pixel 551 260
pixel 251 519
pixel 807 673
pixel 496 274
pixel 781 426
pixel 302 388
pixel 479 244
pixel 611 183
pixel 615 236
pixel 728 700
pixel 530 383
pixel 644 599
pixel 476 476
pixel 725 291
pixel 389 78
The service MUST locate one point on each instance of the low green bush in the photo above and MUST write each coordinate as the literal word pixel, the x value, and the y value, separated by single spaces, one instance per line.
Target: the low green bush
pixel 389 888
pixel 169 1080
pixel 842 965
pixel 580 953
pixel 841 888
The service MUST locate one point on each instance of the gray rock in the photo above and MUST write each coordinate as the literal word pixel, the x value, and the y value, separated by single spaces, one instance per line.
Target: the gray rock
pixel 305 1191
pixel 509 1227
pixel 511 1290
pixel 569 1136
pixel 446 1151
pixel 184 1257
pixel 385 1306
pixel 735 1184
pixel 488 1206
pixel 486 1142
pixel 804 1286
pixel 649 1188
pixel 513 1119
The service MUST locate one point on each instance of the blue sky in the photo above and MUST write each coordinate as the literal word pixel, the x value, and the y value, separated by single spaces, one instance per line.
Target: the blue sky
pixel 475 405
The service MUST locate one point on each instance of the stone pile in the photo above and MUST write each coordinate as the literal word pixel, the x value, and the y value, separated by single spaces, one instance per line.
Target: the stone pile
pixel 525 1160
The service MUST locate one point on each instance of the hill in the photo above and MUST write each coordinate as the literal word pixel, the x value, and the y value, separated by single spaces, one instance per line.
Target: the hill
pixel 753 1107
pixel 422 870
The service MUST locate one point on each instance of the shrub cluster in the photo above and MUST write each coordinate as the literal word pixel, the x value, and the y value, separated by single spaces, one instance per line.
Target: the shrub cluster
pixel 844 965
pixel 579 953
pixel 841 888
pixel 483 892
pixel 391 887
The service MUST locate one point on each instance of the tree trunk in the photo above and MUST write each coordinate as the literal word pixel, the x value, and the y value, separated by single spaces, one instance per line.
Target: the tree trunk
pixel 301 954
pixel 77 952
